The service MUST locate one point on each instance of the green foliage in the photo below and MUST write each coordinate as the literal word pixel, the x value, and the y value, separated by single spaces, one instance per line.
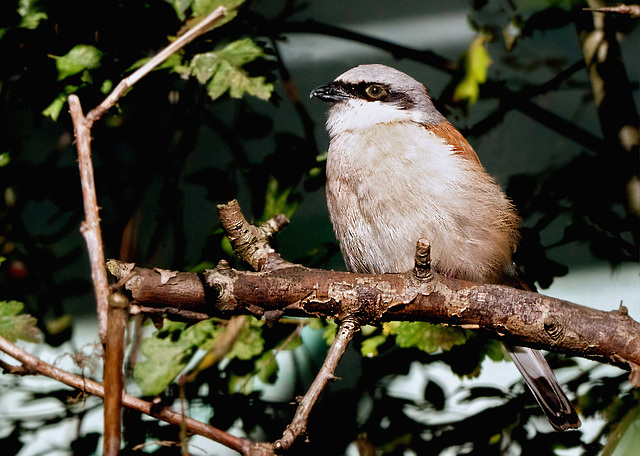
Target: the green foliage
pixel 425 336
pixel 201 8
pixel 369 346
pixel 14 326
pixel 167 353
pixel 625 439
pixel 476 67
pixel 278 201
pixel 169 350
pixel 31 13
pixel 222 71
pixel 79 58
pixel 249 342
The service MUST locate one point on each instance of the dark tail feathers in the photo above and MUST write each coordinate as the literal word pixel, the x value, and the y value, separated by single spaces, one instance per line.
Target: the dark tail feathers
pixel 544 386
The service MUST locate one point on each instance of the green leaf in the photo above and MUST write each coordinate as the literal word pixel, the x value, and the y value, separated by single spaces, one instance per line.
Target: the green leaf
pixel 249 342
pixel 316 323
pixel 202 7
pixel 168 351
pixel 81 57
pixel 54 109
pixel 330 331
pixel 476 64
pixel 14 326
pixel 494 350
pixel 291 344
pixel 369 347
pixel 425 336
pixel 200 267
pixel 226 247
pixel 222 71
pixel 180 6
pixel 276 200
pixel 5 159
pixel 242 384
pixel 173 63
pixel 625 438
pixel 30 13
pixel 267 367
pixel 107 86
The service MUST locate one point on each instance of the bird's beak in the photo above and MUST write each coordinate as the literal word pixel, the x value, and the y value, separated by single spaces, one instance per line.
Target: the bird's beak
pixel 330 93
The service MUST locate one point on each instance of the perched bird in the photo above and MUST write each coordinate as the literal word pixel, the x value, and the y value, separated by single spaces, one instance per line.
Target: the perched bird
pixel 398 171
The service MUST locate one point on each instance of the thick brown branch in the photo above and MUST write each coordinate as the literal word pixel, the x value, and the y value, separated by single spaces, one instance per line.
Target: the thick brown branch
pixel 520 317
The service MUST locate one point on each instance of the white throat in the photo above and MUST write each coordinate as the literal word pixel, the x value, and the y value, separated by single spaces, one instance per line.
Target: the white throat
pixel 358 114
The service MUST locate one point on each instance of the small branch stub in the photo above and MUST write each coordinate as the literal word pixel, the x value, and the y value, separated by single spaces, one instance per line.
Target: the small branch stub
pixel 422 268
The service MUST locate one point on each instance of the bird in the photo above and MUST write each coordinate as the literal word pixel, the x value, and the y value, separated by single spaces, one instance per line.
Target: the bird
pixel 398 171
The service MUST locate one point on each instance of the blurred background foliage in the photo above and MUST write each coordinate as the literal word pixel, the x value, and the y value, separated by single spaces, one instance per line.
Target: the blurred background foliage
pixel 225 119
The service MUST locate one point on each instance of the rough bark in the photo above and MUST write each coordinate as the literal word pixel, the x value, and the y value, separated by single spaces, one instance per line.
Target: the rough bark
pixel 515 316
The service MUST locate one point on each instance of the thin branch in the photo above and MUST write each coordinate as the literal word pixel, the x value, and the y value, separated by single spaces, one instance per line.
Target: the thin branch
pixel 35 365
pixel 114 319
pixel 298 425
pixel 397 50
pixel 631 10
pixel 491 89
pixel 90 227
pixel 124 85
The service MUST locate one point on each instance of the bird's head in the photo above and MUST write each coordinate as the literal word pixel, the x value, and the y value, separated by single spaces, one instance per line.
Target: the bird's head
pixel 374 94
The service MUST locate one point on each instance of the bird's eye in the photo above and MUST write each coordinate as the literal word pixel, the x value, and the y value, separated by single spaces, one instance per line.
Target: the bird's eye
pixel 376 91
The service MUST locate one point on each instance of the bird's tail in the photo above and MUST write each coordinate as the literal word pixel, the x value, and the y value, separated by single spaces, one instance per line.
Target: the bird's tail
pixel 544 386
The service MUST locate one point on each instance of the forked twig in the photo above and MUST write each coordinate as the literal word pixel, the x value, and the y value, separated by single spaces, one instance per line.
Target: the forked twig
pixel 34 364
pixel 115 320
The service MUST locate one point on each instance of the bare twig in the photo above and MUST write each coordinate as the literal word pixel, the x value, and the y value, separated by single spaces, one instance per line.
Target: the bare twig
pixel 36 365
pixel 299 424
pixel 90 228
pixel 82 127
pixel 249 242
pixel 631 10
